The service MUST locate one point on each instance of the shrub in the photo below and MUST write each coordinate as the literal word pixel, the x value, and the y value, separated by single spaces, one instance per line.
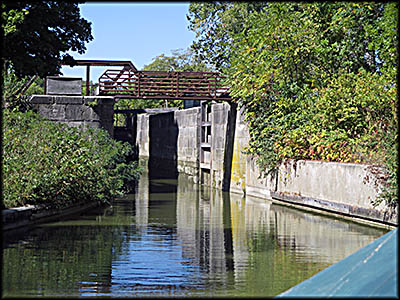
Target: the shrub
pixel 56 165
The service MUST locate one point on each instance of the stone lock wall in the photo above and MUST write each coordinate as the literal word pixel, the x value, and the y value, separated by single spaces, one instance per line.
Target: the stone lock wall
pixel 171 136
pixel 340 188
pixel 222 132
pixel 87 111
pixel 177 136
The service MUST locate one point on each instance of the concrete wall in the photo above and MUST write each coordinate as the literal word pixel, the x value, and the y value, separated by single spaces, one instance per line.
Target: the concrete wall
pixel 343 188
pixel 76 110
pixel 246 176
pixel 221 141
pixel 171 136
pixel 188 140
pixel 340 188
pixel 177 136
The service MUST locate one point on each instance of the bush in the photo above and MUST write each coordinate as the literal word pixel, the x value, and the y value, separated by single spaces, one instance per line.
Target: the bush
pixel 56 165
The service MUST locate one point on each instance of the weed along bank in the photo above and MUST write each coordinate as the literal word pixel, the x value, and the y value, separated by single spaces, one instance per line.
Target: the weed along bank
pixel 61 158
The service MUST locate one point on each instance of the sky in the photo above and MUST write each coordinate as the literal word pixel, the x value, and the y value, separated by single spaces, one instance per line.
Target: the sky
pixel 135 31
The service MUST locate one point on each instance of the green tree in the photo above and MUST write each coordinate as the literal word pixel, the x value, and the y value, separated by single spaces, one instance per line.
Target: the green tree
pixel 37 36
pixel 180 60
pixel 316 80
pixel 215 24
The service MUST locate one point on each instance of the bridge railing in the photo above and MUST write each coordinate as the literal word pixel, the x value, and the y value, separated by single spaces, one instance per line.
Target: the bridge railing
pixel 162 85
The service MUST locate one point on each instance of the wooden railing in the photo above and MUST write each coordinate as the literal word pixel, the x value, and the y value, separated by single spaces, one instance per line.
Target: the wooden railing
pixel 162 85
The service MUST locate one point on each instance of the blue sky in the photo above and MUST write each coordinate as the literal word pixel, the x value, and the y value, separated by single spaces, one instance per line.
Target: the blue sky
pixel 135 31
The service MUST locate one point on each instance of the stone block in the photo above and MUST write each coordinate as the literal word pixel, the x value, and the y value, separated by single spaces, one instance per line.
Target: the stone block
pixel 74 112
pixel 88 113
pixel 74 124
pixel 41 99
pixel 52 111
pixel 56 85
pixel 68 100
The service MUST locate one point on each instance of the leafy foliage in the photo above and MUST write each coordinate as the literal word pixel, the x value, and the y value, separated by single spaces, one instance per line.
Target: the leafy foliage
pixel 16 91
pixel 215 24
pixel 316 80
pixel 37 35
pixel 53 164
pixel 180 60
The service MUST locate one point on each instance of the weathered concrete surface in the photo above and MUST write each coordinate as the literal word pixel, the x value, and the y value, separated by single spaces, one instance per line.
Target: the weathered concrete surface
pixel 171 136
pixel 247 178
pixel 221 141
pixel 177 136
pixel 341 188
pixel 142 137
pixel 88 111
pixel 188 140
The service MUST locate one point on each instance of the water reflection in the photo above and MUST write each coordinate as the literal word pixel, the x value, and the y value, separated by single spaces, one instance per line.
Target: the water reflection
pixel 174 238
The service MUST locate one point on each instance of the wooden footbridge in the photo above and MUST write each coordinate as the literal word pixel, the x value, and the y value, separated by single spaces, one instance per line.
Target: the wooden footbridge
pixel 129 82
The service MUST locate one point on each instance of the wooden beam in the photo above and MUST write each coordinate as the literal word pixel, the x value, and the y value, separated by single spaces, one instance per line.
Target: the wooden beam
pixel 87 79
pixel 101 63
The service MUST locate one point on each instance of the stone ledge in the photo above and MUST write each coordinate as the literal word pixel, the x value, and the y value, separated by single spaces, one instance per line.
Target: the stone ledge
pixel 68 99
pixel 28 215
pixel 41 99
pixel 368 214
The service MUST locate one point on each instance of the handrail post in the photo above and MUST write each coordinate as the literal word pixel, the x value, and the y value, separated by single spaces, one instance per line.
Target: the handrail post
pixel 138 84
pixel 177 85
pixel 87 79
pixel 215 86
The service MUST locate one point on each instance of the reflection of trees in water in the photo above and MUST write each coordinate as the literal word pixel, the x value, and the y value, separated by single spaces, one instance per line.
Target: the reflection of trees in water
pixel 62 258
pixel 70 257
pixel 241 246
pixel 276 247
pixel 320 238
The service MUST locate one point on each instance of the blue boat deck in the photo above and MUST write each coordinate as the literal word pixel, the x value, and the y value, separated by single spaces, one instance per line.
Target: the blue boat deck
pixel 369 272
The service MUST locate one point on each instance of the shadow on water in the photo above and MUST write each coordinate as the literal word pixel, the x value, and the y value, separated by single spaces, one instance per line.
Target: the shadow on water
pixel 163 147
pixel 162 168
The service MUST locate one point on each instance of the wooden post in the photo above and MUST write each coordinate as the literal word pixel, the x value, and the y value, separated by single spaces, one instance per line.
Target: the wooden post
pixel 87 79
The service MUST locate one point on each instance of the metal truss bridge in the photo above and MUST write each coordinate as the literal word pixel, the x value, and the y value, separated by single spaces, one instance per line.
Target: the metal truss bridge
pixel 132 83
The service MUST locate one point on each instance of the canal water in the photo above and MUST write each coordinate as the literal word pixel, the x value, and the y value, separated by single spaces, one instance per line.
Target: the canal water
pixel 174 238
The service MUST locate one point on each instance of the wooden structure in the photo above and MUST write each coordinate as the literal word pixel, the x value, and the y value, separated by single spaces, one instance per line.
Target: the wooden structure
pixel 132 83
pixel 162 85
pixel 126 64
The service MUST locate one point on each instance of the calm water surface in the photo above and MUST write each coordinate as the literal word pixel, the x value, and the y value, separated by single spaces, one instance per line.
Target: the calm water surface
pixel 174 238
